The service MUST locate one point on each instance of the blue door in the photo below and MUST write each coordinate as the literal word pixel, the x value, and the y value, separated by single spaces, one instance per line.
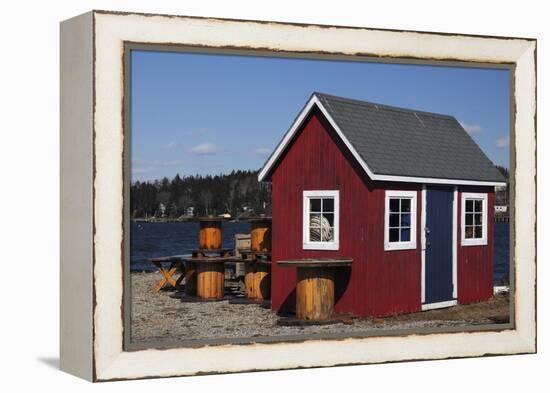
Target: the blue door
pixel 439 245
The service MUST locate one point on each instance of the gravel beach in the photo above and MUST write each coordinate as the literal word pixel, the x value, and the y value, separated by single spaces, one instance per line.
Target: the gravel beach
pixel 164 317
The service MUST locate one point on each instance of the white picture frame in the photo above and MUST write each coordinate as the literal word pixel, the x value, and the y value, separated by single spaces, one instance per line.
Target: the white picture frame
pixel 92 192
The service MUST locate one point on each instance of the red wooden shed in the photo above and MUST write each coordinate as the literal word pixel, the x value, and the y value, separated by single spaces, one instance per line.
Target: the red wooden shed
pixel 407 194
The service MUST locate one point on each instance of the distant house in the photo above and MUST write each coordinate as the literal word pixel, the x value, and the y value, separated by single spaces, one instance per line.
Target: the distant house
pixel 407 194
pixel 190 211
pixel 162 209
pixel 501 208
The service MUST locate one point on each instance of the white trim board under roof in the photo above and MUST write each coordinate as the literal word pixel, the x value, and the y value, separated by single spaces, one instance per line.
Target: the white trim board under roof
pixel 317 100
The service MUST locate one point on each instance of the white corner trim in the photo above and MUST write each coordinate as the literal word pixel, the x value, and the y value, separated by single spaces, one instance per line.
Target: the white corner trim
pixel 410 245
pixel 314 101
pixel 433 306
pixel 455 241
pixel 286 138
pixel 306 243
pixel 423 244
pixel 473 242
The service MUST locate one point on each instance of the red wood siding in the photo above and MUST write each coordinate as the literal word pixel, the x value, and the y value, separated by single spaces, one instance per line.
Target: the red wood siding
pixel 475 263
pixel 379 282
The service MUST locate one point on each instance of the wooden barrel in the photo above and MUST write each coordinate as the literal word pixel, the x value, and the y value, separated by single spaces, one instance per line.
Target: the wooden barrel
pixel 257 281
pixel 260 235
pixel 190 278
pixel 210 280
pixel 210 235
pixel 314 293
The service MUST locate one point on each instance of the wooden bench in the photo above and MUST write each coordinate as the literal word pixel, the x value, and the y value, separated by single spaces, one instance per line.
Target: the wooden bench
pixel 315 286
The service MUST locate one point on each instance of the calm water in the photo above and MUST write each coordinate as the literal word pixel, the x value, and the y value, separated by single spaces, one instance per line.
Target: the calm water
pixel 156 239
pixel 148 239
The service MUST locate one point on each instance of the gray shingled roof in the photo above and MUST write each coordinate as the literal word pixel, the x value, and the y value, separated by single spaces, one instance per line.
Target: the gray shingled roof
pixel 403 142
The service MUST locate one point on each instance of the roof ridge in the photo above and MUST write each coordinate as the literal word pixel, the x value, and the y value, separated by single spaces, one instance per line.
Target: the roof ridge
pixel 383 106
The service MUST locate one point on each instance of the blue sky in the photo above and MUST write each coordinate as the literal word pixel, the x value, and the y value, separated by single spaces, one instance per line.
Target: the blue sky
pixel 210 114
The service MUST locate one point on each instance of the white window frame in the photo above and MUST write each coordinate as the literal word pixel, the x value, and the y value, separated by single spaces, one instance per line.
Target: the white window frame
pixel 476 241
pixel 318 245
pixel 410 245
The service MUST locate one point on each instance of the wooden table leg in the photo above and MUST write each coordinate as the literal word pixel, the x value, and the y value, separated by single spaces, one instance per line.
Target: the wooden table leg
pixel 159 285
pixel 167 276
pixel 314 293
pixel 210 280
pixel 257 281
pixel 168 273
pixel 181 266
pixel 190 278
pixel 163 280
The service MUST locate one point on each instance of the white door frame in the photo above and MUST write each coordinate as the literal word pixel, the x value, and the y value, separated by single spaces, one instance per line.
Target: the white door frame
pixel 452 302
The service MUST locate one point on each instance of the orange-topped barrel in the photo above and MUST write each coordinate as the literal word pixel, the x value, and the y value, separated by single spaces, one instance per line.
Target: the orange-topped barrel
pixel 210 233
pixel 260 234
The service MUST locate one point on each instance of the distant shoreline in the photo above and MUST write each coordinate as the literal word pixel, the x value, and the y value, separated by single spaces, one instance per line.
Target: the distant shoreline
pixel 180 219
pixel 498 218
pixel 161 219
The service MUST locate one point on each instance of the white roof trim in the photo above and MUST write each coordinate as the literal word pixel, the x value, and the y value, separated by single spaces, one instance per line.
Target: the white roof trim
pixel 408 179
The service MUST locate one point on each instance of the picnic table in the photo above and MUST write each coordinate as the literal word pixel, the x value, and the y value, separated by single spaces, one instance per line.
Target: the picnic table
pixel 168 267
pixel 315 286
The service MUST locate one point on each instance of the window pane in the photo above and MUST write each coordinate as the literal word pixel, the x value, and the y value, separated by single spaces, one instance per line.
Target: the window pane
pixel 394 205
pixel 394 234
pixel 315 227
pixel 314 234
pixel 469 232
pixel 327 234
pixel 394 219
pixel 328 204
pixel 477 217
pixel 469 205
pixel 405 234
pixel 478 232
pixel 405 205
pixel 328 218
pixel 314 204
pixel 315 220
pixel 478 205
pixel 406 220
pixel 469 218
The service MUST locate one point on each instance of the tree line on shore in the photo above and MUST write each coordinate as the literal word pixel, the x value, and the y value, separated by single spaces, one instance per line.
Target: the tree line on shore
pixel 237 193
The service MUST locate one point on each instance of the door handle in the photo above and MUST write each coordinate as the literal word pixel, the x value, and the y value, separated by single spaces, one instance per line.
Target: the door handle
pixel 427 232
